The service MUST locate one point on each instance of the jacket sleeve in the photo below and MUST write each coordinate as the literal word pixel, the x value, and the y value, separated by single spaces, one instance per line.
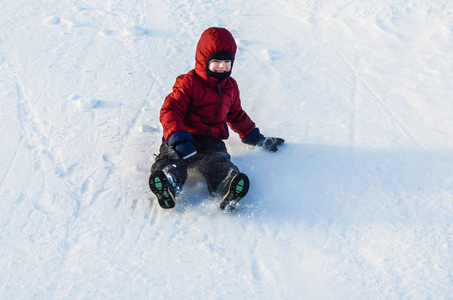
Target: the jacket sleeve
pixel 237 118
pixel 175 106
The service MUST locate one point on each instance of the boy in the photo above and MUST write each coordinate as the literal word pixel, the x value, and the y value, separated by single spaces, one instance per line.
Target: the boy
pixel 194 118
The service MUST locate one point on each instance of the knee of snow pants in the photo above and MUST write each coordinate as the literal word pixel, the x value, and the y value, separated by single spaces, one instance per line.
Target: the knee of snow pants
pixel 169 161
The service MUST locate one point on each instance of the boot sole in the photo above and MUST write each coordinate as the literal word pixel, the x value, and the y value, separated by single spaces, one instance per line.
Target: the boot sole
pixel 159 185
pixel 239 187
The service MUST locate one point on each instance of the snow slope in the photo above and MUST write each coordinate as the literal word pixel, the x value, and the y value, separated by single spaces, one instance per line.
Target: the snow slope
pixel 357 205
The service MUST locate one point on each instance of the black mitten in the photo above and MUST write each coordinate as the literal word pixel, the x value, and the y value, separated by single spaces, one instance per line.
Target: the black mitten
pixel 271 143
pixel 182 142
pixel 255 138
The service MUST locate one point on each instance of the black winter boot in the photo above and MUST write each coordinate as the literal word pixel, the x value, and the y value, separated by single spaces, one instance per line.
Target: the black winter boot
pixel 235 189
pixel 162 188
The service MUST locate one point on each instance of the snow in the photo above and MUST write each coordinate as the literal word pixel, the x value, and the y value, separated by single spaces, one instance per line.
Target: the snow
pixel 356 205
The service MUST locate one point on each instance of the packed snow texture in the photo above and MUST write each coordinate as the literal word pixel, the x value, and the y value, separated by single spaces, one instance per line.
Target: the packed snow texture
pixel 356 205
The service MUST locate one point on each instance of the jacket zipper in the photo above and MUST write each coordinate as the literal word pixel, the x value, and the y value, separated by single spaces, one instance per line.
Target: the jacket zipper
pixel 217 111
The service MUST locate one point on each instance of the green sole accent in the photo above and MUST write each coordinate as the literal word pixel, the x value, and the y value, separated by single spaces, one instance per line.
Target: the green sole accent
pixel 158 183
pixel 240 186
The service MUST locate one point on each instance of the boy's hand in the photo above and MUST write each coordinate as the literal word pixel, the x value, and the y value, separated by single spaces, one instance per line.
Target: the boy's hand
pixel 186 150
pixel 270 143
pixel 181 141
pixel 255 138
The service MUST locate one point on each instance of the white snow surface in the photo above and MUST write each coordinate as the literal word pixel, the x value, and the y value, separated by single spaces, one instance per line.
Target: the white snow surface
pixel 357 204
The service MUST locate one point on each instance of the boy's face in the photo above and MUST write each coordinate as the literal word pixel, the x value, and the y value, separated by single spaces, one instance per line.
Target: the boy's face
pixel 220 66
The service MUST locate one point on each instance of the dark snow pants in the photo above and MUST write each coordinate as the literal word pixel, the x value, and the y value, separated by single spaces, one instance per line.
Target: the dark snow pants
pixel 212 161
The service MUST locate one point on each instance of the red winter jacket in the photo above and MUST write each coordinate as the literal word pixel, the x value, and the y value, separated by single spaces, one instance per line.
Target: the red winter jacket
pixel 198 103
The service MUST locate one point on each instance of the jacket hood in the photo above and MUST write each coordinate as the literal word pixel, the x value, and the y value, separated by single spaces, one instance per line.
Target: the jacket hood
pixel 212 41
